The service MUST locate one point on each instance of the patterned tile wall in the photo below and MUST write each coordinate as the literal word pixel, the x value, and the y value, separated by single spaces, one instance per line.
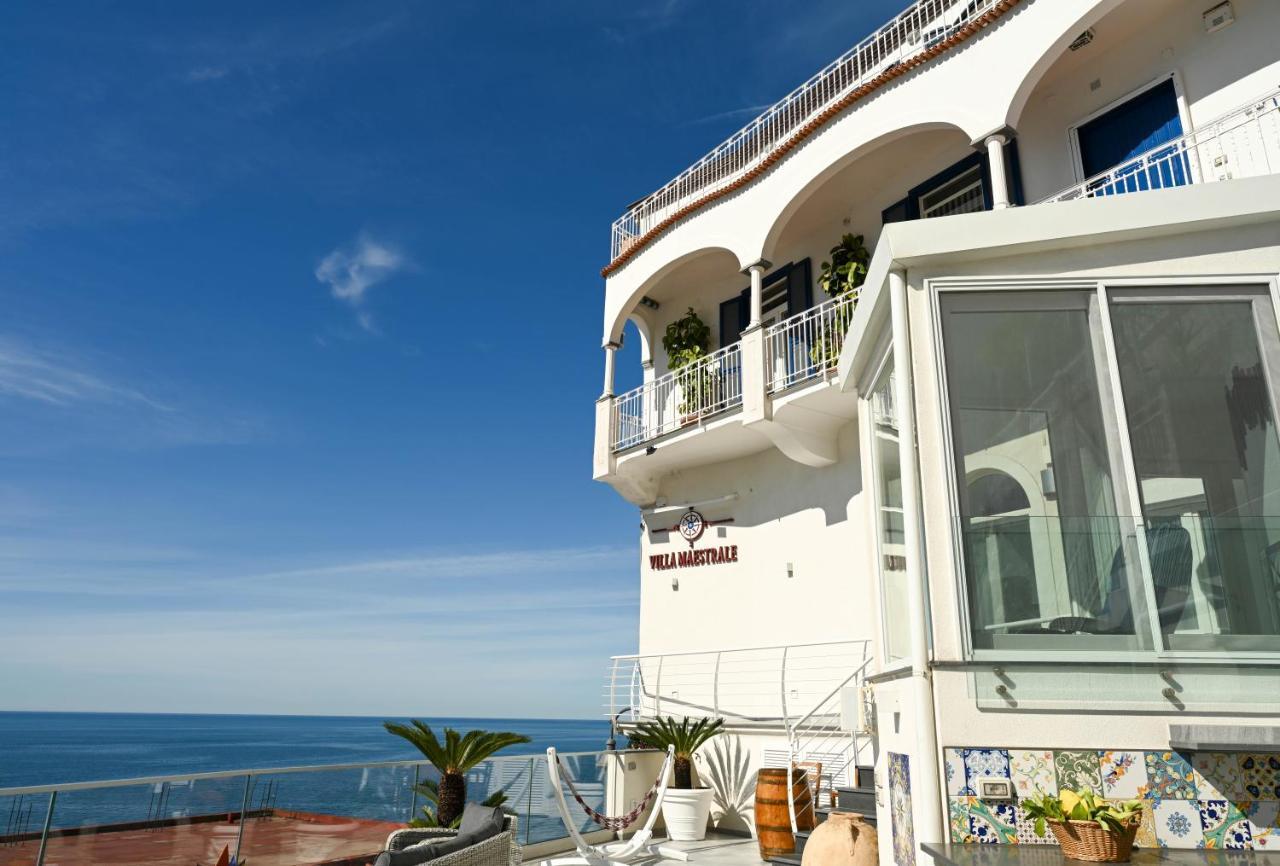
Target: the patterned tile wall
pixel 1200 800
pixel 900 807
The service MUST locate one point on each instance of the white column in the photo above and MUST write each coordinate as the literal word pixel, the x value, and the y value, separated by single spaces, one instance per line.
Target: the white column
pixel 756 272
pixel 999 178
pixel 610 357
pixel 925 772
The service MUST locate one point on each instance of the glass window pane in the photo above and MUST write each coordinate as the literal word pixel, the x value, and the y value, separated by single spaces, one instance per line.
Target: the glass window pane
pixel 1046 557
pixel 889 519
pixel 1207 456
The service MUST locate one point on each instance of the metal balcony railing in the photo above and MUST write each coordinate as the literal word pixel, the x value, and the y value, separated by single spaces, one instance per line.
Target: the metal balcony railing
pixel 807 346
pixel 1242 143
pixel 921 26
pixel 682 397
pixel 767 686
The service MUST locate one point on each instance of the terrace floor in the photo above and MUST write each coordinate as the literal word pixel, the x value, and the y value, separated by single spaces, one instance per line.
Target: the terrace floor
pixel 283 839
pixel 715 850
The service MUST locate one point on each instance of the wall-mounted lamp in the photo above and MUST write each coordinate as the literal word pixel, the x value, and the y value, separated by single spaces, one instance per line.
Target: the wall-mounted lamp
pixel 675 584
pixel 649 302
pixel 791 570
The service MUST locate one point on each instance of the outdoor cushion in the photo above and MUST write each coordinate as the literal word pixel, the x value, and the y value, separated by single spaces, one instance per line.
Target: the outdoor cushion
pixel 424 852
pixel 480 822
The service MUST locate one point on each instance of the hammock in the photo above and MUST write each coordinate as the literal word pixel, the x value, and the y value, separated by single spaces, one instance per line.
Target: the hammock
pixel 612 853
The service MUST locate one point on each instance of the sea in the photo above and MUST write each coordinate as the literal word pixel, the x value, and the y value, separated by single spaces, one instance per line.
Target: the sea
pixel 53 748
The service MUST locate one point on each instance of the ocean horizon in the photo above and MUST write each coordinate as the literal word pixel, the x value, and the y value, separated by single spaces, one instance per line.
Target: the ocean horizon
pixel 46 748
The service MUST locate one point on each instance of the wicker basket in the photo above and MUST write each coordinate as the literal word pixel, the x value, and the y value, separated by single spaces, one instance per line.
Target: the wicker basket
pixel 1086 840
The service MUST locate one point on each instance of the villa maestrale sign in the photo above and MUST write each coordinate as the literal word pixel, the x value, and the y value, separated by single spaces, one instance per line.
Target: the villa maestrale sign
pixel 691 527
pixel 694 558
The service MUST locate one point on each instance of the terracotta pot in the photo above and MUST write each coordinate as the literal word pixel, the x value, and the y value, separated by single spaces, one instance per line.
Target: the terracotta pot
pixel 844 839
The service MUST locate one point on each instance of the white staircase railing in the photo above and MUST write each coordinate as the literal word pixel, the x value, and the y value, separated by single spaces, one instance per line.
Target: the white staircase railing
pixel 772 686
pixel 682 397
pixel 1242 143
pixel 807 346
pixel 922 25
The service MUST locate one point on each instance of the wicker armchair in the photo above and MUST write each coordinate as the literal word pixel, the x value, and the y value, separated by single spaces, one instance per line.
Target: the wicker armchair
pixel 500 850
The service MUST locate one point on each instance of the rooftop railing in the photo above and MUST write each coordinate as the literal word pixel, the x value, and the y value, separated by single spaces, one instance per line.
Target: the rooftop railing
pixel 680 398
pixel 924 24
pixel 807 346
pixel 1242 143
pixel 336 815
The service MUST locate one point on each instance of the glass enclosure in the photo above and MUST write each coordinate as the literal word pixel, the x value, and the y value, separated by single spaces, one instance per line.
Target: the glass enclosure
pixel 889 517
pixel 1069 540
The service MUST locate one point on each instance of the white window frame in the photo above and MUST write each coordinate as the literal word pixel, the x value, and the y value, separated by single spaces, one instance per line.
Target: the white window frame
pixel 1073 130
pixel 935 287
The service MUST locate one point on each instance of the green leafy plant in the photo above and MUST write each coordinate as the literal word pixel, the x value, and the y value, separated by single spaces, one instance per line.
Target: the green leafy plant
pixel 457 754
pixel 841 278
pixel 687 341
pixel 429 789
pixel 1070 805
pixel 687 735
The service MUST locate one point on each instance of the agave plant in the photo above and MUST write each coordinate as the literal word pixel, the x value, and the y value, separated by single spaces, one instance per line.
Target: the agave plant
pixel 687 735
pixel 457 754
pixel 1071 805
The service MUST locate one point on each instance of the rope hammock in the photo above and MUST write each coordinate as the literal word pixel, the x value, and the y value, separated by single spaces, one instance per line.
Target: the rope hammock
pixel 622 852
pixel 614 822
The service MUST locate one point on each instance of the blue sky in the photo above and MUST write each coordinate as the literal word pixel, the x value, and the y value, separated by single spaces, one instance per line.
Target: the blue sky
pixel 300 339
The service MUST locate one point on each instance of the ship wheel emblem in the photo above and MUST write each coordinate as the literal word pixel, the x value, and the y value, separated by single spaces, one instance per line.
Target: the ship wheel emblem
pixel 691 526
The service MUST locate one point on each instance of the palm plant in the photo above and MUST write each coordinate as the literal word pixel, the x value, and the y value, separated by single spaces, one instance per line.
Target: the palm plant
pixel 687 735
pixel 457 754
pixel 430 817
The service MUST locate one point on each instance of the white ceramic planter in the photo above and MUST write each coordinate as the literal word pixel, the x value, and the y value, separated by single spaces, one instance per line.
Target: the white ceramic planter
pixel 685 812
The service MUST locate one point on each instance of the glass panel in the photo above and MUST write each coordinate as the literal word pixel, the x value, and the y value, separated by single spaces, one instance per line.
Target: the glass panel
pixel 1045 554
pixel 325 815
pixel 177 823
pixel 1207 455
pixel 889 519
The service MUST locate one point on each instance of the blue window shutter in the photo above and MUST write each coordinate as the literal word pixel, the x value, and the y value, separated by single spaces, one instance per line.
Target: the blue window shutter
pixel 1145 122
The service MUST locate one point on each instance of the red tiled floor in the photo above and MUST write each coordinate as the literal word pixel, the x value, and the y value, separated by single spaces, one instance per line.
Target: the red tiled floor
pixel 285 839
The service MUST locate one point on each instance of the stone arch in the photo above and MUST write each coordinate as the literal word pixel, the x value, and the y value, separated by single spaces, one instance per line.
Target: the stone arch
pixel 623 306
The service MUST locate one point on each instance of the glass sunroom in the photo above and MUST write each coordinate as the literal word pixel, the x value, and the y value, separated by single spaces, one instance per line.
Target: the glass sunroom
pixel 1116 467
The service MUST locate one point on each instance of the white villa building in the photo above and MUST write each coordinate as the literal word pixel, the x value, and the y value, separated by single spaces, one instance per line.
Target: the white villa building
pixel 1010 519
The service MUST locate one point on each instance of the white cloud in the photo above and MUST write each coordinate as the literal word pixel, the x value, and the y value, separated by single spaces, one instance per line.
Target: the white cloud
pixel 33 373
pixel 351 271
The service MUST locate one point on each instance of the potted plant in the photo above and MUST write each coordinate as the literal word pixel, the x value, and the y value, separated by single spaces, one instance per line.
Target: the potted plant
pixel 1086 826
pixel 457 754
pixel 687 341
pixel 841 278
pixel 685 809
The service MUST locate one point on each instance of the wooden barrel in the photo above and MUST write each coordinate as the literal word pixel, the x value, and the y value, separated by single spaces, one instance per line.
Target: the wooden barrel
pixel 773 821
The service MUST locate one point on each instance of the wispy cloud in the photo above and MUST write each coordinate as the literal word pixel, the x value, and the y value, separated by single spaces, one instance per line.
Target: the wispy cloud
pixel 31 373
pixel 744 112
pixel 352 270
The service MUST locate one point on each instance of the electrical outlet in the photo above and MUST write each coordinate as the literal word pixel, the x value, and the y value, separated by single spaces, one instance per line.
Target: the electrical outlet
pixel 995 789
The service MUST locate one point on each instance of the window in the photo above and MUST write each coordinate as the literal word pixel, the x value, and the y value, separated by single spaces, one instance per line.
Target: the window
pixel 964 187
pixel 889 518
pixel 962 194
pixel 1070 542
pixel 785 292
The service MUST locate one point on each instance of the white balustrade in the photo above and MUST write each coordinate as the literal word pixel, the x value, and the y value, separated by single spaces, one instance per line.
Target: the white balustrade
pixel 682 397
pixel 921 26
pixel 1242 143
pixel 807 346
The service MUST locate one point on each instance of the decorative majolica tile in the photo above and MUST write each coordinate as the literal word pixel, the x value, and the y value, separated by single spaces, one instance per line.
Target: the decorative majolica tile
pixel 958 813
pixel 992 823
pixel 953 768
pixel 1169 777
pixel 1026 830
pixel 1177 823
pixel 1260 776
pixel 1123 774
pixel 1146 837
pixel 1078 771
pixel 1217 776
pixel 1224 825
pixel 1032 772
pixel 1264 823
pixel 902 824
pixel 983 764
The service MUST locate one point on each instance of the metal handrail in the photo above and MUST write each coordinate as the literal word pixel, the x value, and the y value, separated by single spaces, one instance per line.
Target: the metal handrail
pixel 1244 142
pixel 923 24
pixel 807 346
pixel 691 394
pixel 740 649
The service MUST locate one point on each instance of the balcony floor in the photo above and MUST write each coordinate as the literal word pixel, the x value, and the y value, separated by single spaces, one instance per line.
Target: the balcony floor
pixel 715 850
